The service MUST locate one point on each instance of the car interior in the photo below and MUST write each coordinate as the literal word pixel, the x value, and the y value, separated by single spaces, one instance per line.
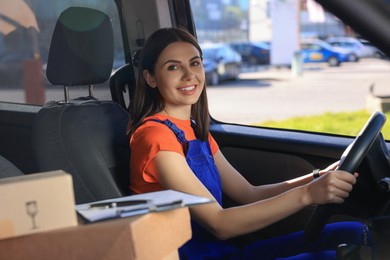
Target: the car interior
pixel 86 136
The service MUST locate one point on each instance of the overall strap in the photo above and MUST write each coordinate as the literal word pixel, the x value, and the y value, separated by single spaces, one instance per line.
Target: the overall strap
pixel 177 131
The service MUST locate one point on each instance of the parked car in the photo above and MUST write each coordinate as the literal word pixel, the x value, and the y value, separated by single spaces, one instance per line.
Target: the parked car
pixel 355 48
pixel 373 50
pixel 253 52
pixel 262 154
pixel 220 62
pixel 320 51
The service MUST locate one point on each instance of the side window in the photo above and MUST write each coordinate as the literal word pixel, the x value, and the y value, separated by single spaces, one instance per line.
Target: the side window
pixel 316 47
pixel 221 54
pixel 229 52
pixel 305 46
pixel 26 28
pixel 309 87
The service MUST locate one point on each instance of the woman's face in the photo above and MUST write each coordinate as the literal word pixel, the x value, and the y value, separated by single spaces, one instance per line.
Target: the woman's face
pixel 179 76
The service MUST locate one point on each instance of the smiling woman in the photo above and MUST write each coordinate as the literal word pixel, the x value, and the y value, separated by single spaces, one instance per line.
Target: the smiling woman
pixel 170 152
pixel 183 83
pixel 183 69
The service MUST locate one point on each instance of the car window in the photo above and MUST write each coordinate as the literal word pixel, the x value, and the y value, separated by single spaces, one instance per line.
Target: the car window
pixel 26 29
pixel 209 53
pixel 221 53
pixel 314 47
pixel 290 89
pixel 229 52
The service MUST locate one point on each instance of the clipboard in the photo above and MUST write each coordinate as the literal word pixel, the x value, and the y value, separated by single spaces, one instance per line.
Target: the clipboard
pixel 139 204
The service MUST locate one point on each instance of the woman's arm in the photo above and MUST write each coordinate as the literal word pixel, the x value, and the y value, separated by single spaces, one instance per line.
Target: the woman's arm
pixel 174 173
pixel 240 190
pixel 236 187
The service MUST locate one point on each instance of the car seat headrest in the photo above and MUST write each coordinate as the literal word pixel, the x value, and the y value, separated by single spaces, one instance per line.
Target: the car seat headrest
pixel 82 48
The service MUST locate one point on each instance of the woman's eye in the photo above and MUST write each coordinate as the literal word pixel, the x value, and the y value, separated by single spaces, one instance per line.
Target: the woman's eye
pixel 196 63
pixel 172 67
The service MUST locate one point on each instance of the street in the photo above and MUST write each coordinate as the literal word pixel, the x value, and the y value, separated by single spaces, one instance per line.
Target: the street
pixel 274 93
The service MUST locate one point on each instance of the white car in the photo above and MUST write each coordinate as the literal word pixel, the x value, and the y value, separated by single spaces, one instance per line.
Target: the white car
pixel 356 49
pixel 374 51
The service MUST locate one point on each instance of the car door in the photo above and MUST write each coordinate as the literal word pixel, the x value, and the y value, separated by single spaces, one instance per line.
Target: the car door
pixel 313 52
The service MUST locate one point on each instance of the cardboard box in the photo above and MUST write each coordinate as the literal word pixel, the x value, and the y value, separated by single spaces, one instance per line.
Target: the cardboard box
pixel 36 203
pixel 150 236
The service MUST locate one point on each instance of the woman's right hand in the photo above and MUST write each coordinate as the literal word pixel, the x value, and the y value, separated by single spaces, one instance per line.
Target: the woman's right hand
pixel 331 187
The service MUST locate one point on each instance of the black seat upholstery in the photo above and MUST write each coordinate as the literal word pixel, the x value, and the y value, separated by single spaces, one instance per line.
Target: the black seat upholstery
pixel 7 169
pixel 86 137
pixel 123 80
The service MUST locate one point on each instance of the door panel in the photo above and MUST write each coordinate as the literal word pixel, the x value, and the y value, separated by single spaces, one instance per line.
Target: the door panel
pixel 279 154
pixel 15 134
pixel 265 156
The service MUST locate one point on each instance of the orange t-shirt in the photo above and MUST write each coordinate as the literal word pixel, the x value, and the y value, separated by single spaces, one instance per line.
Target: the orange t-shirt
pixel 150 138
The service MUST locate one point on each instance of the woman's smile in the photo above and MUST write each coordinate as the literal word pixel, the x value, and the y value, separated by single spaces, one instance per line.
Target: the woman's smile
pixel 188 90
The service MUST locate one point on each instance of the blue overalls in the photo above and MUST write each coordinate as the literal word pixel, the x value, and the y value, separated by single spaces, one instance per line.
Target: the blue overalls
pixel 203 245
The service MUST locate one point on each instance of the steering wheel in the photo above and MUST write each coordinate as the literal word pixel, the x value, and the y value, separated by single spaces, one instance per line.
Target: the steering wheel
pixel 349 162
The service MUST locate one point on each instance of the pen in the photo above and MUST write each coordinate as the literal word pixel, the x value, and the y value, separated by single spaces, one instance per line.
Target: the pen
pixel 153 208
pixel 170 205
pixel 116 204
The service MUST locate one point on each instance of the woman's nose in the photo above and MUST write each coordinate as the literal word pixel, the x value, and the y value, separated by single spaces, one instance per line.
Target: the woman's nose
pixel 188 73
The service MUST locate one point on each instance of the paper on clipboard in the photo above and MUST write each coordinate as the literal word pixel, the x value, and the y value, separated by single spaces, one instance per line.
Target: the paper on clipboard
pixel 144 203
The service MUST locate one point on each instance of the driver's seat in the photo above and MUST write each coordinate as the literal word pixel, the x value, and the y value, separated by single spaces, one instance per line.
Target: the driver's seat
pixel 85 137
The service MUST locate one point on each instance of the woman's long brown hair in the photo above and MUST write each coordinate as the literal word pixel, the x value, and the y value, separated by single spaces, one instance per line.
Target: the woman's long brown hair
pixel 147 101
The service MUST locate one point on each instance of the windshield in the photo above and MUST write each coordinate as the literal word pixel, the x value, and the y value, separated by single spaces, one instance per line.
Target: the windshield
pixel 303 82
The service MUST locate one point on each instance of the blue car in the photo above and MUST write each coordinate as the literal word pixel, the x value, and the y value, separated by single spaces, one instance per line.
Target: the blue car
pixel 253 52
pixel 320 51
pixel 220 62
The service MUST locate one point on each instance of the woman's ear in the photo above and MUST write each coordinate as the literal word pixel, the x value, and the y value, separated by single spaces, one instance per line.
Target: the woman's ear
pixel 149 79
